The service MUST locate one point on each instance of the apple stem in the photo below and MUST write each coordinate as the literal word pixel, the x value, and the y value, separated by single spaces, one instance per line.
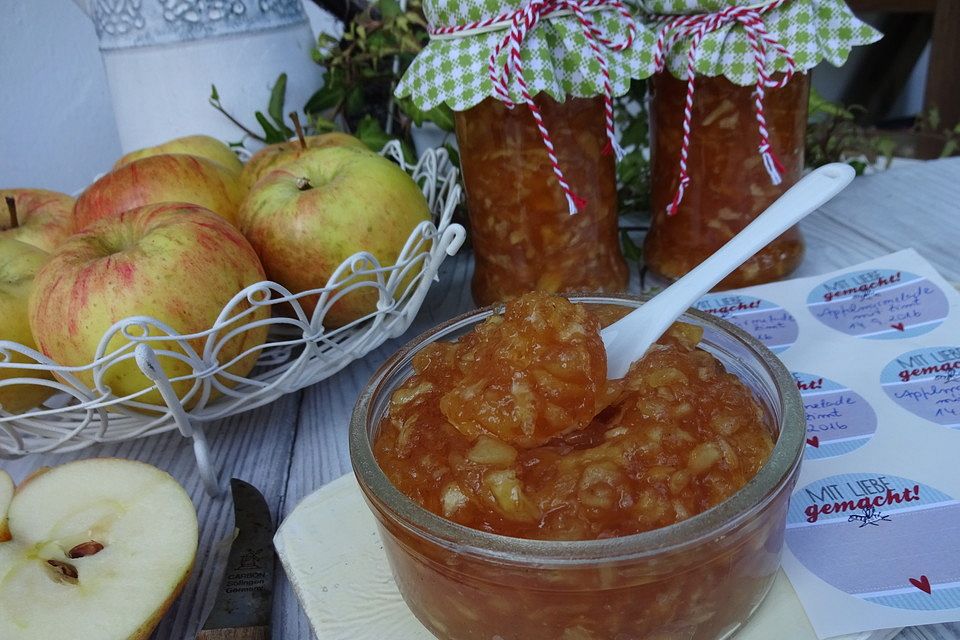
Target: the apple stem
pixel 303 184
pixel 12 209
pixel 296 125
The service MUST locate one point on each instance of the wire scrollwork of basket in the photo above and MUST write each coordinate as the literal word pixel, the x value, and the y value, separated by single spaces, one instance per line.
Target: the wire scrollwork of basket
pixel 299 350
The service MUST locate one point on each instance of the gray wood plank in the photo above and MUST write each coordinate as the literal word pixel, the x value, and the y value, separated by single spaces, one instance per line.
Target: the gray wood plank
pixel 295 445
pixel 320 453
pixel 254 446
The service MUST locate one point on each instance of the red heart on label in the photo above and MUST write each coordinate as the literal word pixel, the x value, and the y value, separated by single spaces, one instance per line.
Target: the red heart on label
pixel 814 441
pixel 898 326
pixel 923 583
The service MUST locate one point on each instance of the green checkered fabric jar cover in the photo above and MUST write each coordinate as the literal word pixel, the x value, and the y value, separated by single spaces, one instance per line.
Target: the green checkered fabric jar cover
pixel 811 30
pixel 558 60
pixel 556 56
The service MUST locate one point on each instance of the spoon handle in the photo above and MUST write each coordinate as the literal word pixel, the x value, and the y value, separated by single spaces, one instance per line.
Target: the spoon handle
pixel 628 339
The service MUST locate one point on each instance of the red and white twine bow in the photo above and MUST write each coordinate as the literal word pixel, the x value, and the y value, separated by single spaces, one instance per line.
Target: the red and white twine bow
pixel 523 21
pixel 696 27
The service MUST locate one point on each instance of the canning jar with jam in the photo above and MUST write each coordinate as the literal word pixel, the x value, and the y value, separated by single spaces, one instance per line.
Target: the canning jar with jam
pixel 521 495
pixel 729 185
pixel 531 84
pixel 728 116
pixel 523 236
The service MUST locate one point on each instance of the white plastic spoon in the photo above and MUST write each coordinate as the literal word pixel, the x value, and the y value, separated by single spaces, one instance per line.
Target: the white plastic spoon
pixel 629 338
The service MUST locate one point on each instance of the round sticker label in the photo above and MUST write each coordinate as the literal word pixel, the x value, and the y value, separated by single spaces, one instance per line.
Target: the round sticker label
pixel 851 531
pixel 769 323
pixel 881 304
pixel 838 420
pixel 926 382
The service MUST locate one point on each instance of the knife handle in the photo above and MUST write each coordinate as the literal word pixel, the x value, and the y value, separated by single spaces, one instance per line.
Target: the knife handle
pixel 242 633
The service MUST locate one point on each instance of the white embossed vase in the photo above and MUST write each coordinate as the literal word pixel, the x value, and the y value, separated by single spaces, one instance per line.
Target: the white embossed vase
pixel 161 56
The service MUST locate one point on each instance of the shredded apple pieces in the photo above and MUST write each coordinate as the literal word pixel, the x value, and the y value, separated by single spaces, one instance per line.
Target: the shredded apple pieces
pixel 529 375
pixel 515 429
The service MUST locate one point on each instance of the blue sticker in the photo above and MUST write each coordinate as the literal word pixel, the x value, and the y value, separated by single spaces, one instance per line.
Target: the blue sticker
pixel 766 321
pixel 879 304
pixel 838 420
pixel 887 540
pixel 926 382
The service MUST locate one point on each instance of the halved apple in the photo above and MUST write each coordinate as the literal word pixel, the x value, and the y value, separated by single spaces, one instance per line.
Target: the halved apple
pixel 6 495
pixel 98 549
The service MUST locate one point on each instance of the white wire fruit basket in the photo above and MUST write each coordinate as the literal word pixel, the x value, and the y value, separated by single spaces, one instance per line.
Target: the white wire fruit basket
pixel 299 350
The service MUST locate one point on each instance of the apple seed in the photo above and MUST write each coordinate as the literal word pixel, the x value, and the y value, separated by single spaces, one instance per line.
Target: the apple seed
pixel 84 549
pixel 64 571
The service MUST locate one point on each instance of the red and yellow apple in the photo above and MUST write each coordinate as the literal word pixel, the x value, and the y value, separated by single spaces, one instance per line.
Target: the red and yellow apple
pixel 155 179
pixel 96 548
pixel 308 216
pixel 44 218
pixel 174 262
pixel 197 145
pixel 276 155
pixel 19 264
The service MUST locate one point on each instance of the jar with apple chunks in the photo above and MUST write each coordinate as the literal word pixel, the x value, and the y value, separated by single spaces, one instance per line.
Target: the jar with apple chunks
pixel 537 147
pixel 524 238
pixel 728 114
pixel 519 494
pixel 729 185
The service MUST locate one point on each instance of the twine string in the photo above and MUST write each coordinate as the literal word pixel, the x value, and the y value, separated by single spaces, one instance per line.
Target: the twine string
pixel 696 27
pixel 521 22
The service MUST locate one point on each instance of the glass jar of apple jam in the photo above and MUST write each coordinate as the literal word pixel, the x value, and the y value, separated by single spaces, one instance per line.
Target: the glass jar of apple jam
pixel 531 84
pixel 729 185
pixel 728 118
pixel 524 238
pixel 572 507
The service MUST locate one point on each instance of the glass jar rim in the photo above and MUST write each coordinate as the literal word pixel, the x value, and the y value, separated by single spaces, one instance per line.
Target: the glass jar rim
pixel 710 524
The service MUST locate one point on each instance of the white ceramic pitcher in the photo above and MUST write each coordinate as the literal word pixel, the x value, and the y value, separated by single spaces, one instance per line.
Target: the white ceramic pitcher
pixel 161 56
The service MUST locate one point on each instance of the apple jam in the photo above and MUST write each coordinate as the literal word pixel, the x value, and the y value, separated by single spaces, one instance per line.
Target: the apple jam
pixel 515 429
pixel 524 238
pixel 508 476
pixel 728 186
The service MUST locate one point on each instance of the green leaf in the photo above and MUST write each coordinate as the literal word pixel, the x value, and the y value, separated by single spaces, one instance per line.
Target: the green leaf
pixel 326 97
pixel 454 154
pixel 858 165
pixel 389 9
pixel 354 104
pixel 277 97
pixel 270 133
pixel 949 148
pixel 631 251
pixel 371 133
pixel 441 115
pixel 213 93
pixel 322 125
pixel 820 105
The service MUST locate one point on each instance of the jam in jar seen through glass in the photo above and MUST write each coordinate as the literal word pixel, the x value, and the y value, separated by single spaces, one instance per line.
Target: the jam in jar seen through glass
pixel 524 237
pixel 729 185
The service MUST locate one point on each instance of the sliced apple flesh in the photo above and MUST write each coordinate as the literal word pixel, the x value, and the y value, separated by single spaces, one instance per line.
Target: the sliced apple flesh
pixel 99 549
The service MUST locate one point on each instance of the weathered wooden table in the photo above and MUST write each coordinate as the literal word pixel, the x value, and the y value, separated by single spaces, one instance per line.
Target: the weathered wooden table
pixel 295 445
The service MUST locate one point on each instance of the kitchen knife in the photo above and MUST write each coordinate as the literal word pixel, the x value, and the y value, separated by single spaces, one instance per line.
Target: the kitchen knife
pixel 245 599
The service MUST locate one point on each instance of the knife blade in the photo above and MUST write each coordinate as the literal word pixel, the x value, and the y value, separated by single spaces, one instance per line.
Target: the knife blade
pixel 245 599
